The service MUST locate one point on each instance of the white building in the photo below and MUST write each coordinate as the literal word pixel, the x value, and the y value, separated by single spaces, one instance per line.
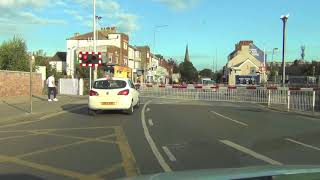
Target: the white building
pixel 113 46
pixel 58 61
pixel 135 63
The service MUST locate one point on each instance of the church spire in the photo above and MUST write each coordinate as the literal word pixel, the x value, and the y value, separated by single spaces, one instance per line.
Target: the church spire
pixel 186 57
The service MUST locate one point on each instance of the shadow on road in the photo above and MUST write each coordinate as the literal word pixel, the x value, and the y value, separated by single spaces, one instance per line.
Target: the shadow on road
pixel 83 109
pixel 20 176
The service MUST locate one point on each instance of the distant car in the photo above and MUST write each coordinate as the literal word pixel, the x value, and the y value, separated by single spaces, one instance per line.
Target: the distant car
pixel 113 94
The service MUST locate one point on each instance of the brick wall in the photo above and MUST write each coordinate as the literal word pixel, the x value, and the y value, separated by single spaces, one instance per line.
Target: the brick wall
pixel 16 83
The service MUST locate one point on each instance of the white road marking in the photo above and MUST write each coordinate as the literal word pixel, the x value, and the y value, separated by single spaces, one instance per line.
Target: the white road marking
pixel 235 121
pixel 250 152
pixel 148 109
pixel 152 144
pixel 168 153
pixel 150 122
pixel 303 144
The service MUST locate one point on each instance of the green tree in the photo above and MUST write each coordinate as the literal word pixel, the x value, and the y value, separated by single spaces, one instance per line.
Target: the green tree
pixel 14 55
pixel 188 72
pixel 206 73
pixel 174 64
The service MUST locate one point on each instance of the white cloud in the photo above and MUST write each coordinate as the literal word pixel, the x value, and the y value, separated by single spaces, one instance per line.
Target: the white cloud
pixel 74 13
pixel 112 11
pixel 7 4
pixel 30 18
pixel 60 3
pixel 179 4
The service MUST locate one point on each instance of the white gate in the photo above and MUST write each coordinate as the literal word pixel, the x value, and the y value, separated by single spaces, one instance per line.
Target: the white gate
pixel 69 86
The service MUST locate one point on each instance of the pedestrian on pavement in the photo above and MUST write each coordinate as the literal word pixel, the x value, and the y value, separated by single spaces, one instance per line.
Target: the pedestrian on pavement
pixel 51 87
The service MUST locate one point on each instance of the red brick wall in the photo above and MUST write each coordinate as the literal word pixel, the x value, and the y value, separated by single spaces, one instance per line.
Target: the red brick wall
pixel 16 83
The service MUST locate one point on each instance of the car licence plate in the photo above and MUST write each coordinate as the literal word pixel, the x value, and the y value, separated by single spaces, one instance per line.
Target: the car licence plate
pixel 107 103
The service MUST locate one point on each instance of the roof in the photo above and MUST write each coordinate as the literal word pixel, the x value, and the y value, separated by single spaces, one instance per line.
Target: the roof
pixel 59 56
pixel 102 35
pixel 89 35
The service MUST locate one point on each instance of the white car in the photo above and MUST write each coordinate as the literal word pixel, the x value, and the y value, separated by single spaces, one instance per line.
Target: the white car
pixel 113 94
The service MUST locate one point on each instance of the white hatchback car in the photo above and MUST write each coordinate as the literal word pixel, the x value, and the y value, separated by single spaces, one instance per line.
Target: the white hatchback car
pixel 113 94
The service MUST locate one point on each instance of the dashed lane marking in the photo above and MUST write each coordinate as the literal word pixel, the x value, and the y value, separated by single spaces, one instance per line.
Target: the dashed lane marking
pixel 235 121
pixel 150 122
pixel 152 144
pixel 128 160
pixel 46 168
pixel 303 144
pixel 250 152
pixel 169 153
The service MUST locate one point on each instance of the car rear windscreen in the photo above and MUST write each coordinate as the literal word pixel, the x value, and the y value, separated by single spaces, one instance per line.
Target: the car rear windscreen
pixel 109 84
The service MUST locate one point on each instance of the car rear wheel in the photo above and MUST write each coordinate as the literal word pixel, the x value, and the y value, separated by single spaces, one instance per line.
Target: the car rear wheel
pixel 131 109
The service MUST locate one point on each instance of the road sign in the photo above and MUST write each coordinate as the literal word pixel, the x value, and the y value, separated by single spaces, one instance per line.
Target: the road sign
pixel 90 59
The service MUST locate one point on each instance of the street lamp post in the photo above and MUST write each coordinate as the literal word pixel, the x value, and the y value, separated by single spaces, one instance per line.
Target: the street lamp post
pixel 154 36
pixel 272 64
pixel 284 19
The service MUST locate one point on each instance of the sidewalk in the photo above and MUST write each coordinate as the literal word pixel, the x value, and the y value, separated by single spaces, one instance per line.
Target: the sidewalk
pixel 283 108
pixel 15 108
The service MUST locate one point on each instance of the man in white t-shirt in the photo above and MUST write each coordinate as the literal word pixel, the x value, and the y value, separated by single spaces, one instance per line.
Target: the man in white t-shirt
pixel 51 87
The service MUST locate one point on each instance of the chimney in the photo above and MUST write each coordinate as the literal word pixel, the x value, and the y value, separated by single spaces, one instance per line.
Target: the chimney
pixel 76 34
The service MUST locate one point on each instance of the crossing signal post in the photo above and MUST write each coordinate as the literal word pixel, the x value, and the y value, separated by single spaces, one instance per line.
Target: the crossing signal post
pixel 90 59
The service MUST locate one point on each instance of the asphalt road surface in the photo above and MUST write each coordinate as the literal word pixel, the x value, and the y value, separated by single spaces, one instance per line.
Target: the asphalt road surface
pixel 161 136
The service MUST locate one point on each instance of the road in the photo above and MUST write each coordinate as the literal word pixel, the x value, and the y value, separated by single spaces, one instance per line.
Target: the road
pixel 161 136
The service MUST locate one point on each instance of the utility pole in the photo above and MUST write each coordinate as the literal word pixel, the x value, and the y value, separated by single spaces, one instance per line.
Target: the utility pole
pixel 284 20
pixel 216 59
pixel 94 42
pixel 30 64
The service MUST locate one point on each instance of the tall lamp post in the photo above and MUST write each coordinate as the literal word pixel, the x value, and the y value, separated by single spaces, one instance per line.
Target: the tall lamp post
pixel 284 19
pixel 154 36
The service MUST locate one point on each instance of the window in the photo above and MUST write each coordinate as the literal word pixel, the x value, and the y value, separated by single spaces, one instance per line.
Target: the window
pixel 109 84
pixel 125 45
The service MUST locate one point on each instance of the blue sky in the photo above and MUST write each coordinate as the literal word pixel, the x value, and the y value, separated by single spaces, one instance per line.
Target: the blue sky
pixel 205 25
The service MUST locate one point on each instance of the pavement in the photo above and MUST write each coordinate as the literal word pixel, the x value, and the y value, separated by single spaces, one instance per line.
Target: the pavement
pixel 161 136
pixel 15 108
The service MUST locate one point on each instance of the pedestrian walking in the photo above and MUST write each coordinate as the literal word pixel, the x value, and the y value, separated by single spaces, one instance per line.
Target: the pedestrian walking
pixel 51 88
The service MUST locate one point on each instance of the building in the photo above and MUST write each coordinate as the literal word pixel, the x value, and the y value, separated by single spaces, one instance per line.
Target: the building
pixel 135 64
pixel 58 61
pixel 245 65
pixel 145 54
pixel 112 44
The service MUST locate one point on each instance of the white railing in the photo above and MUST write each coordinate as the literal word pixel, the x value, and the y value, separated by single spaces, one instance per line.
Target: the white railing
pixel 301 100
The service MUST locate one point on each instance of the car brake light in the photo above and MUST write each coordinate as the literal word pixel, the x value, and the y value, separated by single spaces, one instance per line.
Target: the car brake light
pixel 93 93
pixel 124 92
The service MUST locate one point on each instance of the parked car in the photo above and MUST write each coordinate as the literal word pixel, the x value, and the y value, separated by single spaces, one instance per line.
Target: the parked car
pixel 113 94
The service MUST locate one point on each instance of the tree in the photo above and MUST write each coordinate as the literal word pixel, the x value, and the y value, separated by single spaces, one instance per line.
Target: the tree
pixel 188 72
pixel 159 56
pixel 206 73
pixel 174 64
pixel 14 55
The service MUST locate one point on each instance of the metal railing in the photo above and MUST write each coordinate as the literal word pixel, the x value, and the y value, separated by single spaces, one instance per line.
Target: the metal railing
pixel 302 100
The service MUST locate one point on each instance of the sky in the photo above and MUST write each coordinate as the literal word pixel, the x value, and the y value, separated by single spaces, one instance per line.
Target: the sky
pixel 207 26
